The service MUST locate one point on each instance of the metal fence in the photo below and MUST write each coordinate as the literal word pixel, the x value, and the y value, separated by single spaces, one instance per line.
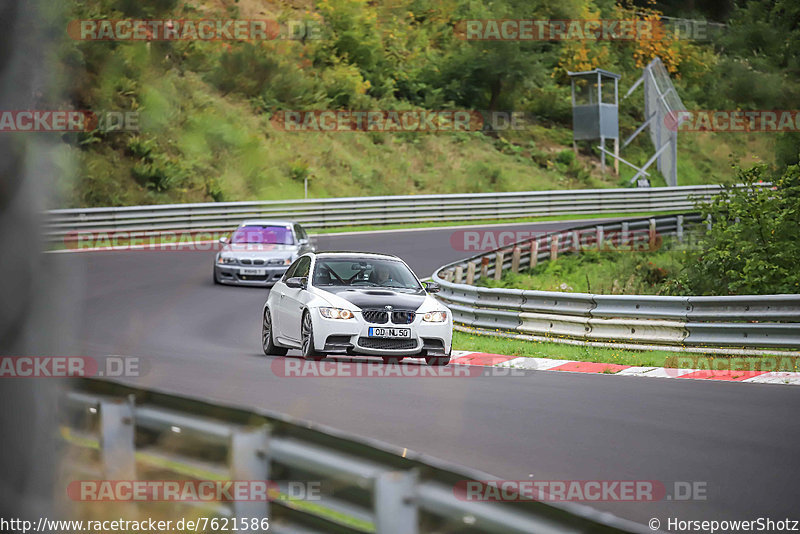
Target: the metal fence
pixel 339 212
pixel 365 486
pixel 752 321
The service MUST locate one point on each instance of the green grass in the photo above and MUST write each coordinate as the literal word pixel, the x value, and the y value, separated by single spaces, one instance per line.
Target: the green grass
pixel 644 358
pixel 201 143
pixel 622 272
pixel 197 145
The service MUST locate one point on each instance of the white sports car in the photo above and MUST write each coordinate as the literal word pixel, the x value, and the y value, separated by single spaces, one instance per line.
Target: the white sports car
pixel 356 303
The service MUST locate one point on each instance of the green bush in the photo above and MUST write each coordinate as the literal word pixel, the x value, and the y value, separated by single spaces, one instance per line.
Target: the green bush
pixel 753 246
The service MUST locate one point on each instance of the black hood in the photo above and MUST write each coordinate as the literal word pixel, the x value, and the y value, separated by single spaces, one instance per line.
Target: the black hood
pixel 374 297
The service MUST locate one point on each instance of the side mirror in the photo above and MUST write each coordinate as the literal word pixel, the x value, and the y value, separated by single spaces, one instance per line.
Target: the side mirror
pixel 297 282
pixel 302 241
pixel 223 240
pixel 432 287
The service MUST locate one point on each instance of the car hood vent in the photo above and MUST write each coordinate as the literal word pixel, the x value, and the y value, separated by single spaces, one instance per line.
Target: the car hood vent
pixel 379 299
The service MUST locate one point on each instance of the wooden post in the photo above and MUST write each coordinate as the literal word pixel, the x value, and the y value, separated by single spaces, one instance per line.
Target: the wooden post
pixel 515 260
pixel 534 253
pixel 652 234
pixel 616 156
pixel 599 238
pixel 624 238
pixel 498 265
pixel 470 273
pixel 603 155
pixel 485 267
pixel 554 247
pixel 459 274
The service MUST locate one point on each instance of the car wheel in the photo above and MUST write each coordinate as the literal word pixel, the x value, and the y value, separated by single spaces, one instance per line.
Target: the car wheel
pixel 307 334
pixel 270 349
pixel 392 359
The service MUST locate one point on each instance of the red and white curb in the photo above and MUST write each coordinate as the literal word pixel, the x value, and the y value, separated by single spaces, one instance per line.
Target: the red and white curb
pixel 462 357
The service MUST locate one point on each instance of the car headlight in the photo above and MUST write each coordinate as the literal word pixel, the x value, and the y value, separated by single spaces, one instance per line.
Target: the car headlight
pixel 226 259
pixel 435 317
pixel 336 313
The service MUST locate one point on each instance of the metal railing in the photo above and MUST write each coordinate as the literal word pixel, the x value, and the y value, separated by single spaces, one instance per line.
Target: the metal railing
pixel 365 486
pixel 340 212
pixel 751 321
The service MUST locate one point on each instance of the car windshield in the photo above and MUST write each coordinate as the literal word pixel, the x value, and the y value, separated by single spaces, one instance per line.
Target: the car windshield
pixel 270 235
pixel 364 273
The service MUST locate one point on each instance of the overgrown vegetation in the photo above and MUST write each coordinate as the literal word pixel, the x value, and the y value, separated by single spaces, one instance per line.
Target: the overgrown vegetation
pixel 206 106
pixel 602 273
pixel 752 248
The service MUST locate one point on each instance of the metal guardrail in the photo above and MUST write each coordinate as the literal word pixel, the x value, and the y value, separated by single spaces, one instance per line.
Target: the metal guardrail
pixel 366 486
pixel 752 321
pixel 339 212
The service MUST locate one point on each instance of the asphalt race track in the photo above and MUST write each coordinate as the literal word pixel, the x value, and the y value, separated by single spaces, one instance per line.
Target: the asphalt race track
pixel 202 340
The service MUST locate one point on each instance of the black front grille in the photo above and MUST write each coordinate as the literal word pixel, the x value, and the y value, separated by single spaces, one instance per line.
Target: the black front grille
pixel 375 316
pixel 254 277
pixel 246 261
pixel 432 343
pixel 258 262
pixel 389 344
pixel 403 317
pixel 338 343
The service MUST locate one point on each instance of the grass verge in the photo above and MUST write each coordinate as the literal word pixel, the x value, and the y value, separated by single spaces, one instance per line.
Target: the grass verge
pixel 644 358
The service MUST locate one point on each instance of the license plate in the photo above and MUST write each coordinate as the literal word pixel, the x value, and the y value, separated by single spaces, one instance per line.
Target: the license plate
pixel 389 332
pixel 253 272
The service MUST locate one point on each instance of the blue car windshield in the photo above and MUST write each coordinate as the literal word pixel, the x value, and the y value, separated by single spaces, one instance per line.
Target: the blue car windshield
pixel 269 235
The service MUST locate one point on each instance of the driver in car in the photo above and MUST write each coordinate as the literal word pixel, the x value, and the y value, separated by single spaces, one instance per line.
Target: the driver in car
pixel 381 276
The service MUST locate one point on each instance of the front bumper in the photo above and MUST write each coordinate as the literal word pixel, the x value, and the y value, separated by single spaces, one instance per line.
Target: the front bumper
pixel 232 274
pixel 351 336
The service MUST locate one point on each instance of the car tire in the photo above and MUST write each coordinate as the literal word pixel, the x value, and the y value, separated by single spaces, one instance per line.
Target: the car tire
pixel 392 359
pixel 216 278
pixel 269 346
pixel 307 338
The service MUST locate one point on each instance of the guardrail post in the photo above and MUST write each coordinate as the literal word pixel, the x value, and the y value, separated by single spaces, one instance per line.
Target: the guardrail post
pixel 554 247
pixel 485 267
pixel 515 260
pixel 498 265
pixel 600 237
pixel 117 448
pixel 576 244
pixel 652 234
pixel 249 461
pixel 470 273
pixel 679 228
pixel 708 222
pixel 534 253
pixel 624 238
pixel 396 509
pixel 459 274
pixel 448 276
